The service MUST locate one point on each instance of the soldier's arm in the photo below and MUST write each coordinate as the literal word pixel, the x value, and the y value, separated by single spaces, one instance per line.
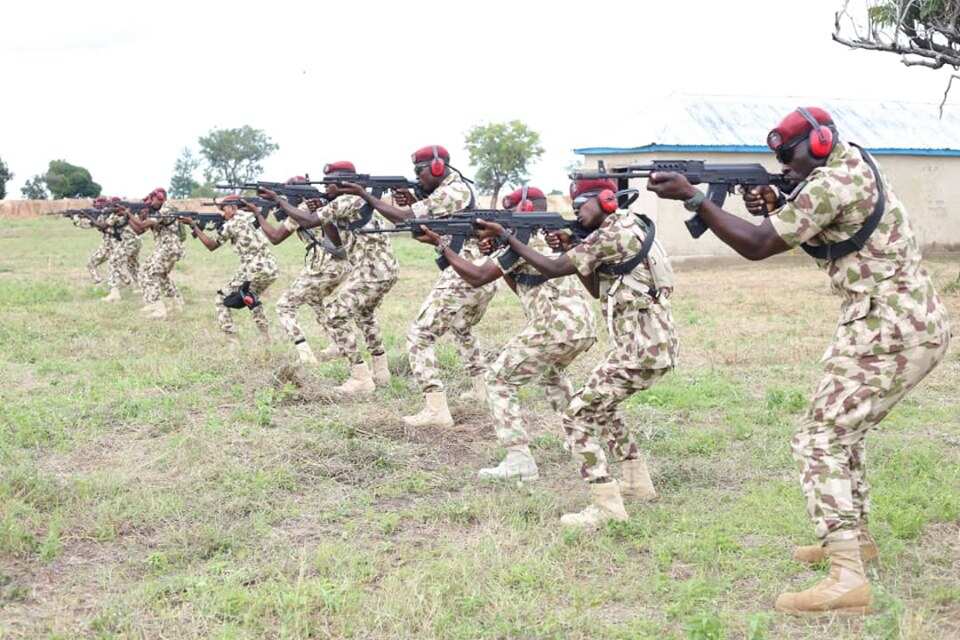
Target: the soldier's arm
pixel 391 212
pixel 275 235
pixel 208 242
pixel 475 275
pixel 753 242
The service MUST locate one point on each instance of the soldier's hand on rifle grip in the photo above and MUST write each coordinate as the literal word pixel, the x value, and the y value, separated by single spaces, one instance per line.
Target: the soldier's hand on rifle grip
pixel 313 204
pixel 670 185
pixel 187 221
pixel 488 229
pixel 246 205
pixel 428 237
pixel 559 241
pixel 487 246
pixel 351 188
pixel 760 201
pixel 267 194
pixel 402 197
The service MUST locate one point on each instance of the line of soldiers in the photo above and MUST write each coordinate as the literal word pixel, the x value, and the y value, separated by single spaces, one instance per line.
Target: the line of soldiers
pixel 893 328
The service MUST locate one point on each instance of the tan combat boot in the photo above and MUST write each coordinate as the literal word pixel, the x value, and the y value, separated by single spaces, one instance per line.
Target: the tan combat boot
pixel 436 413
pixel 636 482
pixel 518 464
pixel 359 382
pixel 607 505
pixel 159 311
pixel 477 392
pixel 305 353
pixel 330 352
pixel 845 591
pixel 814 553
pixel 113 296
pixel 381 370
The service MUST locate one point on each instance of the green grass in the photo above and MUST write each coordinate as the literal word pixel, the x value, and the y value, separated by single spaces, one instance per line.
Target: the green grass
pixel 157 482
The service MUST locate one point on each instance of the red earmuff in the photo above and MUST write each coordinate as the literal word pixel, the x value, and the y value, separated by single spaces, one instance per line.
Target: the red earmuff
pixel 436 165
pixel 821 136
pixel 608 201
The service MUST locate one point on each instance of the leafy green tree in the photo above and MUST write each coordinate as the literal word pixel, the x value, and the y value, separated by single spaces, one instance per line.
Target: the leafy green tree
pixel 205 190
pixel 5 176
pixel 182 183
pixel 501 153
pixel 234 155
pixel 924 33
pixel 66 180
pixel 35 188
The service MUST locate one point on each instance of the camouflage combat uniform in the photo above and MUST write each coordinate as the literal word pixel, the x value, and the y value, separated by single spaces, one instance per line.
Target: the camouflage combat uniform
pixel 102 253
pixel 322 273
pixel 122 264
pixel 373 270
pixel 560 326
pixel 452 304
pixel 155 277
pixel 893 330
pixel 643 342
pixel 258 266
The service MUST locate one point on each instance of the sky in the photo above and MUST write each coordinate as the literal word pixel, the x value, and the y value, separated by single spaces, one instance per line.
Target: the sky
pixel 121 89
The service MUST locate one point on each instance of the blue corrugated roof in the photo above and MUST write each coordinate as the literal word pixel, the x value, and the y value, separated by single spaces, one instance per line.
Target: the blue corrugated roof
pixel 740 125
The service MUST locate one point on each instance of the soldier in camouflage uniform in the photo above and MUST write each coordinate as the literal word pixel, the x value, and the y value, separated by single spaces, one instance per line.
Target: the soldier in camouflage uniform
pixel 160 218
pixel 124 263
pixel 102 253
pixel 893 328
pixel 620 262
pixel 452 305
pixel 258 266
pixel 329 268
pixel 560 326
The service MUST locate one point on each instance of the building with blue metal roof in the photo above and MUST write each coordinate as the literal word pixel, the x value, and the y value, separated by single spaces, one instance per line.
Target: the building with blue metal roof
pixel 918 150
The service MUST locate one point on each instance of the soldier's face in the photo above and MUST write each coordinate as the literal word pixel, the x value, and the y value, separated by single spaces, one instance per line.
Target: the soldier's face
pixel 590 214
pixel 802 163
pixel 427 180
pixel 229 211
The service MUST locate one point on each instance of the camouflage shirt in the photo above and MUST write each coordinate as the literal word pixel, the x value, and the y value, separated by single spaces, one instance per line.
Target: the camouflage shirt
pixel 317 258
pixel 370 254
pixel 451 196
pixel 249 243
pixel 167 231
pixel 558 308
pixel 635 318
pixel 889 303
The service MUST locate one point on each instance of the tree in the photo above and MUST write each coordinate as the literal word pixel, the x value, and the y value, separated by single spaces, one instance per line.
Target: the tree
pixel 35 188
pixel 924 33
pixel 182 183
pixel 5 176
pixel 234 155
pixel 66 180
pixel 501 152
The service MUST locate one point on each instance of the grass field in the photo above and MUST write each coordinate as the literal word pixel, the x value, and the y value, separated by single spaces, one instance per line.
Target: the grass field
pixel 156 482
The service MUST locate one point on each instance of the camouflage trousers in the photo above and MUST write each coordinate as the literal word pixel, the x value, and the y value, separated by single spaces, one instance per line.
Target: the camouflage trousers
pixel 854 394
pixel 525 357
pixel 100 255
pixel 356 301
pixel 124 264
pixel 155 277
pixel 447 309
pixel 592 419
pixel 311 287
pixel 259 283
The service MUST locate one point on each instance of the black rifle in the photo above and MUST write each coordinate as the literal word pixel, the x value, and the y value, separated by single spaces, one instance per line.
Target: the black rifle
pixel 263 204
pixel 721 178
pixel 376 184
pixel 295 193
pixel 203 220
pixel 90 212
pixel 463 225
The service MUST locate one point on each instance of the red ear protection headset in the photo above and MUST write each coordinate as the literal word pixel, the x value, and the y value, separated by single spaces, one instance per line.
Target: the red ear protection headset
pixel 437 165
pixel 524 204
pixel 821 136
pixel 608 200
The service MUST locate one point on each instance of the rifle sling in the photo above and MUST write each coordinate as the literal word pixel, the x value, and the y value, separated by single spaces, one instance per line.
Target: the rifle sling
pixel 856 242
pixel 625 267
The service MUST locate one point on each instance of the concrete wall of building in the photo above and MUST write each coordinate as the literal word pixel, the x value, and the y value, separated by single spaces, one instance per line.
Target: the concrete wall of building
pixel 927 185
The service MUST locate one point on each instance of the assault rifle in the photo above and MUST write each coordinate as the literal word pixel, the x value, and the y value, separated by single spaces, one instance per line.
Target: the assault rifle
pixel 263 204
pixel 90 212
pixel 722 179
pixel 203 220
pixel 463 225
pixel 295 193
pixel 377 184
